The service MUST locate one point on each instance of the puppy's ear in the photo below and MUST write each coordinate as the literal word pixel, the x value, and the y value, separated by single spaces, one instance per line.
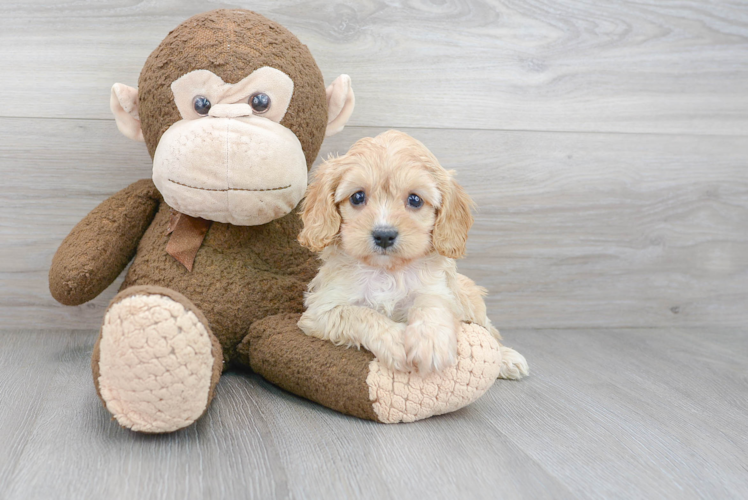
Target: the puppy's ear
pixel 319 213
pixel 453 221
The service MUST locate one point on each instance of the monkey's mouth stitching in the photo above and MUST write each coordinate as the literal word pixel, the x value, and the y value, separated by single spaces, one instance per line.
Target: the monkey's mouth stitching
pixel 230 189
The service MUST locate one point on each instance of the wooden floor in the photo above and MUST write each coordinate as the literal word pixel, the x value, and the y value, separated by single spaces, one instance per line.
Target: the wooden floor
pixel 606 145
pixel 606 414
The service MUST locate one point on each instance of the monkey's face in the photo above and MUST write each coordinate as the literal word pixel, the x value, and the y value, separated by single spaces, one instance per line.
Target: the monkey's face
pixel 229 159
pixel 235 152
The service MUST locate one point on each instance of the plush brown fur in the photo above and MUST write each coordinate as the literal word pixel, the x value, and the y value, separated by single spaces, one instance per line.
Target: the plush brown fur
pixel 100 246
pixel 333 376
pixel 242 275
pixel 232 44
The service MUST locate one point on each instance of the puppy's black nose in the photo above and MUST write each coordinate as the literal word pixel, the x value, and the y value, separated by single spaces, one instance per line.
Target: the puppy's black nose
pixel 384 238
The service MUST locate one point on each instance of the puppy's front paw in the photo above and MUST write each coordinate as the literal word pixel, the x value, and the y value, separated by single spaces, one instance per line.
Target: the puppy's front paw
pixel 513 364
pixel 307 325
pixel 389 348
pixel 431 341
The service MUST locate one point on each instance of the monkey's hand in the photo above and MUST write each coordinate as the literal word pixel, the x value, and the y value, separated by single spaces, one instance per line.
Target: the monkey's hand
pixel 100 246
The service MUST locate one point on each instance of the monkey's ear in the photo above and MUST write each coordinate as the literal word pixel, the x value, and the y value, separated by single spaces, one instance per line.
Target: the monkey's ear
pixel 340 103
pixel 124 104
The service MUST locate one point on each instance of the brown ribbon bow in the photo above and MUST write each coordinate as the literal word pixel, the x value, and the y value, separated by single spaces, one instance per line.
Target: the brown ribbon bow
pixel 187 235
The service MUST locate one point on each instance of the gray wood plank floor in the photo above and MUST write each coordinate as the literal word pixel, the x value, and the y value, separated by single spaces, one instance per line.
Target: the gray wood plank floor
pixel 615 413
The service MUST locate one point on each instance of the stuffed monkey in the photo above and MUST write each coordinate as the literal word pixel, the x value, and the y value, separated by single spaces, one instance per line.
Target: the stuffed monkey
pixel 233 110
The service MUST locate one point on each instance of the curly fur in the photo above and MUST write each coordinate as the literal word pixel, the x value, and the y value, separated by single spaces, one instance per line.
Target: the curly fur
pixel 403 303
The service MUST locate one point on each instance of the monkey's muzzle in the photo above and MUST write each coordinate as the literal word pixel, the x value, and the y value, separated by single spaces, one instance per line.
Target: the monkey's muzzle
pixel 244 171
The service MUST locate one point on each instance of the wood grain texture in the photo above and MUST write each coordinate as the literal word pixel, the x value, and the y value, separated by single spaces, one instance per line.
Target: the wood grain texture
pixel 572 230
pixel 631 413
pixel 648 66
pixel 666 406
pixel 28 361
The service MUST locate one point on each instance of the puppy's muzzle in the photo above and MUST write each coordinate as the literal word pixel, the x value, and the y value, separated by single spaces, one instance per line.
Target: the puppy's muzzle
pixel 384 237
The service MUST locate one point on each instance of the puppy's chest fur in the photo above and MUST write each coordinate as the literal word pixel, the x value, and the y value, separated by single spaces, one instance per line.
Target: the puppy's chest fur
pixel 393 293
pixel 348 281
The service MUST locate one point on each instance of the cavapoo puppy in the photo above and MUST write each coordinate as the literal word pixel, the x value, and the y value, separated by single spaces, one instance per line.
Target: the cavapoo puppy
pixel 389 222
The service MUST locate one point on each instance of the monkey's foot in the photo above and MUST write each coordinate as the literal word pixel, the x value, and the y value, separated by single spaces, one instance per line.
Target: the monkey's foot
pixel 354 382
pixel 406 397
pixel 156 363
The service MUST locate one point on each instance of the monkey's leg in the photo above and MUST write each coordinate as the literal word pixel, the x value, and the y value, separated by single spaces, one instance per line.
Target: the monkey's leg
pixel 352 381
pixel 156 363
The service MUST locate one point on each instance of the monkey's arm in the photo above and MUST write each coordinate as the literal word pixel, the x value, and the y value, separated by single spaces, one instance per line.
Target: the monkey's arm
pixel 100 246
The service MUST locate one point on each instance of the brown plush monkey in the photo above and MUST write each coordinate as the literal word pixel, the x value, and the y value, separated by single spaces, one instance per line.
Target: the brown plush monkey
pixel 233 110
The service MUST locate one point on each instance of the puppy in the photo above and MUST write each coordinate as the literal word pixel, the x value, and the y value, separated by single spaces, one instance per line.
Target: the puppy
pixel 389 222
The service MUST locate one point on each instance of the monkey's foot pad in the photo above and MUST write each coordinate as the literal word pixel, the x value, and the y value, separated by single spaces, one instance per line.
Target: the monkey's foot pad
pixel 156 363
pixel 406 397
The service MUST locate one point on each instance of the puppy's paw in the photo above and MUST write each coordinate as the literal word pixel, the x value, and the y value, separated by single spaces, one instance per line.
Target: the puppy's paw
pixel 389 348
pixel 307 325
pixel 431 341
pixel 513 364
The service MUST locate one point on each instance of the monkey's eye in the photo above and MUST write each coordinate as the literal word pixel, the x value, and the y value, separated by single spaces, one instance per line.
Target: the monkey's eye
pixel 415 201
pixel 260 102
pixel 201 105
pixel 358 198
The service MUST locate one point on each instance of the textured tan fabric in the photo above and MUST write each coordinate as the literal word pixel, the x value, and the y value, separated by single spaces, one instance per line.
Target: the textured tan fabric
pixel 244 171
pixel 123 102
pixel 155 364
pixel 407 397
pixel 340 104
pixel 276 84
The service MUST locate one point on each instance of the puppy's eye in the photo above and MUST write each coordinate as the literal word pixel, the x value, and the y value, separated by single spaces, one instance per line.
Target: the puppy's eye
pixel 358 198
pixel 201 105
pixel 260 102
pixel 415 201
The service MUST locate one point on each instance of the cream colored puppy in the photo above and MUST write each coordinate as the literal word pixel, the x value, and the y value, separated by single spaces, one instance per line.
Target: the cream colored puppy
pixel 389 222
